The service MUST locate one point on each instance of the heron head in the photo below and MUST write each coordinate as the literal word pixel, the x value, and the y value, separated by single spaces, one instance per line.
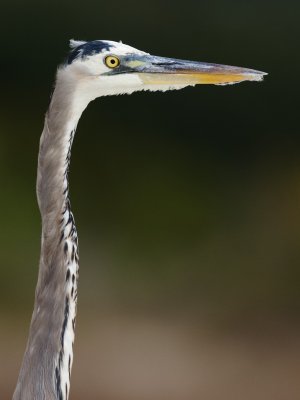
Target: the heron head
pixel 103 67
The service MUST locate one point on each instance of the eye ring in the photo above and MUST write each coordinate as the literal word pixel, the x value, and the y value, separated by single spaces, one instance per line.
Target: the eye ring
pixel 112 61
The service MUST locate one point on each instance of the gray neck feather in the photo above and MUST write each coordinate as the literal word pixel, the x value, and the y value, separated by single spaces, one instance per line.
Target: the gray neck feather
pixel 46 366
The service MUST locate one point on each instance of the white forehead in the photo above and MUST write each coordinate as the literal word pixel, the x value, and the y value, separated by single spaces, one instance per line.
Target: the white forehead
pixel 122 48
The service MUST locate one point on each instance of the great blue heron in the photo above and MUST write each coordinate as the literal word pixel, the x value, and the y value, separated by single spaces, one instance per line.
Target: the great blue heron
pixel 92 69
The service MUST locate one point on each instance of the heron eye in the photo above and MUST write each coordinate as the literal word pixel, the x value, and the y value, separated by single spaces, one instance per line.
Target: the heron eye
pixel 112 61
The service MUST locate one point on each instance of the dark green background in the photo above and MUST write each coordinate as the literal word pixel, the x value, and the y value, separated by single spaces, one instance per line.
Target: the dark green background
pixel 187 202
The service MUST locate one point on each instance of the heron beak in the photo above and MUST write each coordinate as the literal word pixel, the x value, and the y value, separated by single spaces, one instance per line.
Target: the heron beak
pixel 155 70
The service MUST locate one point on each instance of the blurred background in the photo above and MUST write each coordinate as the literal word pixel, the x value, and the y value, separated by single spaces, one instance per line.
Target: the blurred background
pixel 186 203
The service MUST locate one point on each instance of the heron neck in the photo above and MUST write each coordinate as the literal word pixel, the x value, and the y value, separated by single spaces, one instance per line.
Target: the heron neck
pixel 46 368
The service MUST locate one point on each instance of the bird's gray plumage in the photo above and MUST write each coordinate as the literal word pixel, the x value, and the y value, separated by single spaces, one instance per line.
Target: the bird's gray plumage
pixel 40 374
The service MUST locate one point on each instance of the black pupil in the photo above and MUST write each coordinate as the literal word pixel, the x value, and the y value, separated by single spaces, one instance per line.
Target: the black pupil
pixel 113 61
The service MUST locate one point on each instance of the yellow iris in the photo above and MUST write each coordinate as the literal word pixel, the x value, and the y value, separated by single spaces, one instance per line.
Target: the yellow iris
pixel 112 61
